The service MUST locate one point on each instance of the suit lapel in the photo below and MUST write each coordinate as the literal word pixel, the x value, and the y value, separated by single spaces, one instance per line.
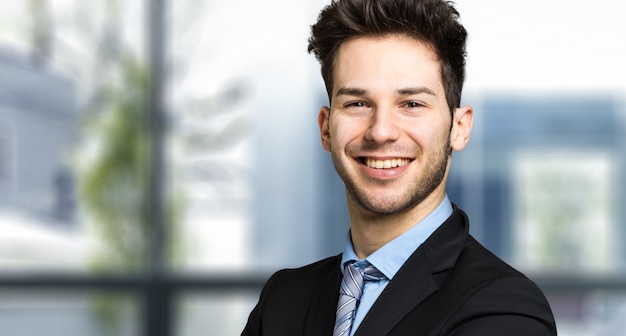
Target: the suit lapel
pixel 414 282
pixel 321 315
pixel 411 285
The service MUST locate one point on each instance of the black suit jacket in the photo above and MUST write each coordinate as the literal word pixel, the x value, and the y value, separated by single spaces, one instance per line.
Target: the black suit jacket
pixel 451 285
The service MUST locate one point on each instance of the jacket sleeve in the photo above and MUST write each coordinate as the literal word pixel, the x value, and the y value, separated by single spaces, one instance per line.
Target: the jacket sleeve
pixel 508 306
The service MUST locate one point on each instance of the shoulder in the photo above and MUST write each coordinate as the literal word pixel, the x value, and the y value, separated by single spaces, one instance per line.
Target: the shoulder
pixel 318 268
pixel 497 297
pixel 303 278
pixel 511 305
pixel 480 271
pixel 475 257
pixel 483 295
pixel 288 295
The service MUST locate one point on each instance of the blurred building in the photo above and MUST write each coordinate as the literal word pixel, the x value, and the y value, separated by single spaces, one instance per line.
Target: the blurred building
pixel 38 127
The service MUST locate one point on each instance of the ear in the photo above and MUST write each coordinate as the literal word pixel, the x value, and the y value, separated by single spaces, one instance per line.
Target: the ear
pixel 323 120
pixel 461 127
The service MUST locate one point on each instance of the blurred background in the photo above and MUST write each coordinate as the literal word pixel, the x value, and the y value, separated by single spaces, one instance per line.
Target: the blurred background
pixel 160 159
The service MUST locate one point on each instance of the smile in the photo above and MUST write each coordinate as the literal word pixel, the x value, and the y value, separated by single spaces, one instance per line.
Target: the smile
pixel 385 164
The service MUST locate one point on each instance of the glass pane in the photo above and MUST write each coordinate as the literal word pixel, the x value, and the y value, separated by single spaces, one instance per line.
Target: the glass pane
pixel 551 228
pixel 32 313
pixel 592 313
pixel 72 135
pixel 207 314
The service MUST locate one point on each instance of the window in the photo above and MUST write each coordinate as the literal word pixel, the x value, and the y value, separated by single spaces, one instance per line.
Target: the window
pixel 159 159
pixel 137 206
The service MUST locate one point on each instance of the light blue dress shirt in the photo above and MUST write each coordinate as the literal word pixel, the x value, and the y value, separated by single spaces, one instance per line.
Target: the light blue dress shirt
pixel 390 257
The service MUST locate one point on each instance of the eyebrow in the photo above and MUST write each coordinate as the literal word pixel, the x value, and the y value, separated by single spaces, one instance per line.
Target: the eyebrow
pixel 416 90
pixel 401 92
pixel 350 92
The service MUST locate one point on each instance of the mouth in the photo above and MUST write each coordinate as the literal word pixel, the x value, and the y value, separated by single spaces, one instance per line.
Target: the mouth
pixel 386 163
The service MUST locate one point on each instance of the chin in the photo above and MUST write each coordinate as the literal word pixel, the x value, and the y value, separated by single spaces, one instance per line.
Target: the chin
pixel 386 206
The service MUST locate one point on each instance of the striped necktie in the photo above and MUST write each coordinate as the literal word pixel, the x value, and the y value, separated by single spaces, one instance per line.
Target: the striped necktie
pixel 354 278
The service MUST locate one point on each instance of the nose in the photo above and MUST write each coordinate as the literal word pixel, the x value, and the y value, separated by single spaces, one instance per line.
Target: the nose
pixel 383 126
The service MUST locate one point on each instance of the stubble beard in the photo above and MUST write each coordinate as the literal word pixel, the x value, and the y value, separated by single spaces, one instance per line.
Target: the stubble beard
pixel 415 193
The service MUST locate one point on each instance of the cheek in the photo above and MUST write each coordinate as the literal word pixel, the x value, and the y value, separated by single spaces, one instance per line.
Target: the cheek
pixel 430 138
pixel 343 132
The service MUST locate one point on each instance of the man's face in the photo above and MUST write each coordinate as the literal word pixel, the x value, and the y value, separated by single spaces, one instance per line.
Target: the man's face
pixel 389 126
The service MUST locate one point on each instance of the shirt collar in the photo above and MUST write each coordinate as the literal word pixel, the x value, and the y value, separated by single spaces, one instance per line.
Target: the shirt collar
pixel 390 257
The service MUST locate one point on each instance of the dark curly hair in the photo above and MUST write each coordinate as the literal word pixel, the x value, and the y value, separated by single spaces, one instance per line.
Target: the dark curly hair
pixel 434 22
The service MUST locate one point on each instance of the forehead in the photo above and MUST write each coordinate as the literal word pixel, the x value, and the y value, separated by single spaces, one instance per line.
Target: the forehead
pixel 386 62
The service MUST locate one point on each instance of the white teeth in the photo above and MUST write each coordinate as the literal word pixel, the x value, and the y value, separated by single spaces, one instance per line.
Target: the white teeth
pixel 386 164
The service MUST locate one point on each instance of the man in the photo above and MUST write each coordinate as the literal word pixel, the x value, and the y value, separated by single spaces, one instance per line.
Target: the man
pixel 394 72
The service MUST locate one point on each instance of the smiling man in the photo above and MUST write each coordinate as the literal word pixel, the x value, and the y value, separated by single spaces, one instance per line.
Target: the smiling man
pixel 394 72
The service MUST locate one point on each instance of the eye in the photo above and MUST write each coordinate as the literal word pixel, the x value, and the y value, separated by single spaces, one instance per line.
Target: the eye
pixel 413 104
pixel 356 104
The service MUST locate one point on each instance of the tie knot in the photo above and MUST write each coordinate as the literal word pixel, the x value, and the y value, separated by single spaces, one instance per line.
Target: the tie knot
pixel 367 271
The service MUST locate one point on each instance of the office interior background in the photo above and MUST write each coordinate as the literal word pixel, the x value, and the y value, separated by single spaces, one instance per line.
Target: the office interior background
pixel 160 159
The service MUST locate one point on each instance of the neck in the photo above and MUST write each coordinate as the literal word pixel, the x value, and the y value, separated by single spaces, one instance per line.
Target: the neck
pixel 370 231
